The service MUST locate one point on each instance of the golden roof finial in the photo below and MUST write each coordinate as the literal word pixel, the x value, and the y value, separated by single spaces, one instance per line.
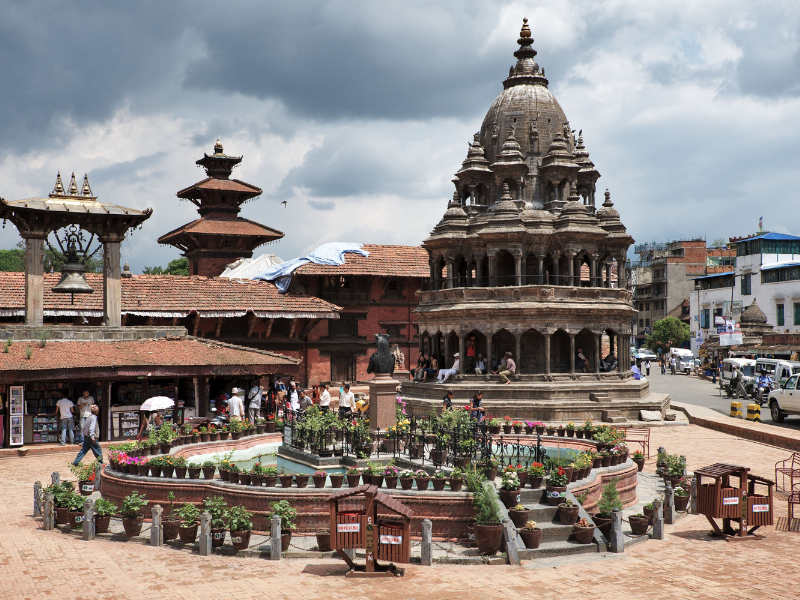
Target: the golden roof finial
pixel 59 189
pixel 218 147
pixel 73 186
pixel 525 32
pixel 87 191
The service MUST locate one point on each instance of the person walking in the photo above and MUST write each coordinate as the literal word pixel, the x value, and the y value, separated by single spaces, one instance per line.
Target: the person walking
pixel 90 433
pixel 663 367
pixel 84 403
pixel 305 400
pixel 647 366
pixel 346 401
pixel 235 405
pixel 254 397
pixel 66 422
pixel 324 398
pixel 510 368
pixel 445 373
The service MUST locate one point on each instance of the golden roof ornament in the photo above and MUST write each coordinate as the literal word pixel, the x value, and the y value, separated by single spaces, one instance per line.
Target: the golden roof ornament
pixel 525 32
pixel 73 186
pixel 87 191
pixel 59 189
pixel 218 147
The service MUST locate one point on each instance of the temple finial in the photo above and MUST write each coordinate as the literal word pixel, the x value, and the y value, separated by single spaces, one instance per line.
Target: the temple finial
pixel 59 189
pixel 218 147
pixel 73 186
pixel 87 191
pixel 525 32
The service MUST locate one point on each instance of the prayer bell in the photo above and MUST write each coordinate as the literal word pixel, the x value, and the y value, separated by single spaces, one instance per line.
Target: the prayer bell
pixel 72 279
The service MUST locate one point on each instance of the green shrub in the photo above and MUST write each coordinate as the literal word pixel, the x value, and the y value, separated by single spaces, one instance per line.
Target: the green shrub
pixel 609 500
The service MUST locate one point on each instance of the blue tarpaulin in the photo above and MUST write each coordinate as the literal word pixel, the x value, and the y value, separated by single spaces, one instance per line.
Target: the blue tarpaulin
pixel 327 254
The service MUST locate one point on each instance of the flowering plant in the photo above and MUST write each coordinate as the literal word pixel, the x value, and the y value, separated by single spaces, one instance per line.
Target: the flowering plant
pixel 457 474
pixel 406 474
pixel 530 525
pixel 391 471
pixel 320 473
pixel 638 455
pixel 561 426
pixel 507 419
pixel 571 426
pixel 587 425
pixel 536 470
pixel 421 473
pixel 517 424
pixel 354 471
pixel 558 479
pixel 512 468
pixel 583 523
pixel 439 474
pixel 510 481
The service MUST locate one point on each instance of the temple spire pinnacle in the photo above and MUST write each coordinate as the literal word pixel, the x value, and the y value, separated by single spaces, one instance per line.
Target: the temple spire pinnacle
pixel 73 186
pixel 87 191
pixel 58 190
pixel 218 147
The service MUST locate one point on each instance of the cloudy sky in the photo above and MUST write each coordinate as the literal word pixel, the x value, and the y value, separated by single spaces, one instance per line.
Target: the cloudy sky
pixel 358 113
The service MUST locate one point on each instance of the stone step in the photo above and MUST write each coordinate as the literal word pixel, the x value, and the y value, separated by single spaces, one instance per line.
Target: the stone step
pixel 555 532
pixel 542 512
pixel 557 548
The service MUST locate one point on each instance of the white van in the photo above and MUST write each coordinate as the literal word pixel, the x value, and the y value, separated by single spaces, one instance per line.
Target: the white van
pixel 684 359
pixel 748 367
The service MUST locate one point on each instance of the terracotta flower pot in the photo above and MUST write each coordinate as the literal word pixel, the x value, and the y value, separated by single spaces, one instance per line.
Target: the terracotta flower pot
pixel 144 470
pixel 649 513
pixel 422 483
pixel 167 471
pixel 286 480
pixel 123 467
pixel 320 480
pixel 568 472
pixel 155 471
pixel 180 472
pixel 540 430
pixel 132 525
pixel 509 497
pixel 606 461
pixel 531 537
pixel 570 433
pixel 205 437
pixel 603 524
pixel 506 428
pixel 260 429
pixel 377 480
pixel 218 537
pixel 551 430
pixel 391 481
pixel 568 515
pixel 406 482
pixel 270 480
pixel 535 482
pixel 286 539
pixel 494 429
pixel 488 538
pixel 165 448
pixel 523 478
pixel 194 472
pixel 491 473
pixel 519 517
pixel 575 475
pixel 208 472
pixel 579 434
pixel 236 435
pixel 240 539
pixel 86 487
pixel 336 481
pixel 270 427
pixel 170 529
pixel 555 495
pixel 597 462
pixel 561 432
pixel 101 524
pixel 353 480
pixel 323 541
pixel 62 516
pixel 187 534
pixel 639 464
pixel 302 480
pixel 517 429
pixel 681 502
pixel 639 525
pixel 224 474
pixel 244 478
pixel 75 518
pixel 214 437
pixel 256 480
pixel 438 484
pixel 583 535
pixel 456 484
pixel 528 430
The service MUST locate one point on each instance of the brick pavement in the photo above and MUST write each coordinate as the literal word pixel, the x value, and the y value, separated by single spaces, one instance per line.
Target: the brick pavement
pixel 688 564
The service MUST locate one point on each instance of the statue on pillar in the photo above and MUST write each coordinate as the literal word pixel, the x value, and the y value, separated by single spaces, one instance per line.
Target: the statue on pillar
pixel 381 362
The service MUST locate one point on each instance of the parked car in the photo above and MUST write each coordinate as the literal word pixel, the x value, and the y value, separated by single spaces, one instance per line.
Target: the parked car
pixel 785 400
pixel 684 359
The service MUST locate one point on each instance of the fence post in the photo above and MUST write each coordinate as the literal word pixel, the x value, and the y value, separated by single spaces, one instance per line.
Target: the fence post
pixel 88 520
pixel 55 478
pixel 275 549
pixel 669 505
pixel 658 521
pixel 49 514
pixel 617 541
pixel 426 547
pixel 693 501
pixel 510 537
pixel 205 533
pixel 156 531
pixel 37 499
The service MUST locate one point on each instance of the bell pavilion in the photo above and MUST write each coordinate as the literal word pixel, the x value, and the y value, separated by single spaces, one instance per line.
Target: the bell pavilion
pixel 526 262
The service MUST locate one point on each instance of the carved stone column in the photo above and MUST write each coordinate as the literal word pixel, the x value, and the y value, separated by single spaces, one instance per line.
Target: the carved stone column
pixel 556 256
pixel 572 354
pixel 450 267
pixel 518 352
pixel 608 274
pixel 592 270
pixel 446 364
pixel 622 282
pixel 518 272
pixel 479 274
pixel 541 269
pixel 489 352
pixel 34 280
pixel 470 282
pixel 571 275
pixel 547 338
pixel 597 350
pixel 493 267
pixel 433 276
pixel 112 287
pixel 462 359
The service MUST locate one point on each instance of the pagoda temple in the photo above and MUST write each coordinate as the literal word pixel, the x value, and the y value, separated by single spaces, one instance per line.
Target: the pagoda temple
pixel 220 236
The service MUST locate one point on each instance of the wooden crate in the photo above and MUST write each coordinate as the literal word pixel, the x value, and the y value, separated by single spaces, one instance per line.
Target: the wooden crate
pixel 349 530
pixel 393 542
pixel 759 510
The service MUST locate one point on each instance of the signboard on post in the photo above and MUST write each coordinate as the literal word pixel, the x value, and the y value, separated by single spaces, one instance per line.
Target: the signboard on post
pixel 732 334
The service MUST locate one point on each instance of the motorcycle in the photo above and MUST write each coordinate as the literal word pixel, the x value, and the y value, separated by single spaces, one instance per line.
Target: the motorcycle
pixel 762 394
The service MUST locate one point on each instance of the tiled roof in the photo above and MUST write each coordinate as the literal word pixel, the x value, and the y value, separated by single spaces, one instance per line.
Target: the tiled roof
pixel 169 296
pixel 161 353
pixel 221 225
pixel 225 185
pixel 383 261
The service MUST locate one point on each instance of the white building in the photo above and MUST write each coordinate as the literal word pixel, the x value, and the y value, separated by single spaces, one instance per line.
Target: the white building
pixel 767 270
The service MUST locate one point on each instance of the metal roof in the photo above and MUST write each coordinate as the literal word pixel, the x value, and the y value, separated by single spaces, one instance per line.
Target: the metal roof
pixel 780 265
pixel 767 236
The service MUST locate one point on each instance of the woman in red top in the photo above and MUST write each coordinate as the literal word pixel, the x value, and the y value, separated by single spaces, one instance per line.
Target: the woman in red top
pixel 471 353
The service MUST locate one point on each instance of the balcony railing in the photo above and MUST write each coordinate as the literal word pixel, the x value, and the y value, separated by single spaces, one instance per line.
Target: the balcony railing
pixel 532 293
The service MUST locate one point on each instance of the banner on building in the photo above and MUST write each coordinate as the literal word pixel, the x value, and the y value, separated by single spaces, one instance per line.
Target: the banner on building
pixel 731 334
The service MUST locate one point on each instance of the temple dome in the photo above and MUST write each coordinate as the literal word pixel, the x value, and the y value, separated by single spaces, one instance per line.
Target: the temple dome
pixel 754 314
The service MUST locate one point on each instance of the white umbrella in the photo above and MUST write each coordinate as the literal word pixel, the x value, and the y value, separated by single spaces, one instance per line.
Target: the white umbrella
pixel 158 403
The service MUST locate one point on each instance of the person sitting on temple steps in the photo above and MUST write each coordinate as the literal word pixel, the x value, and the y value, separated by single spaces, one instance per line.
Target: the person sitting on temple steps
pixel 510 368
pixel 445 373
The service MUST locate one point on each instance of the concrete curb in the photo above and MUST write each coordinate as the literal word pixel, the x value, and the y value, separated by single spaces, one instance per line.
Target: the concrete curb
pixel 757 432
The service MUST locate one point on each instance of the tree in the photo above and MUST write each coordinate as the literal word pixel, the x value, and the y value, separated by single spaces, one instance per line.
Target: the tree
pixel 179 266
pixel 12 260
pixel 668 332
pixel 52 259
pixel 719 243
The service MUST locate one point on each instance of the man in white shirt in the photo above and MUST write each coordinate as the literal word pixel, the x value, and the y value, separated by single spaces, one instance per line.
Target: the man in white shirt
pixel 66 423
pixel 254 397
pixel 235 405
pixel 445 373
pixel 480 365
pixel 324 399
pixel 85 405
pixel 91 434
pixel 346 400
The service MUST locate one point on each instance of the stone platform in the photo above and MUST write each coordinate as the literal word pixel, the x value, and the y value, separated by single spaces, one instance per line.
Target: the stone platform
pixel 553 398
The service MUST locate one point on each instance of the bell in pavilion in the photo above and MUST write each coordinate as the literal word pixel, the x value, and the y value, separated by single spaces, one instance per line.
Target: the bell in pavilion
pixel 72 279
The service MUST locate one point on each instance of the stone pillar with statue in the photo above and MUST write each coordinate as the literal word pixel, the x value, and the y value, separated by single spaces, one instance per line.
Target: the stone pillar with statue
pixel 383 387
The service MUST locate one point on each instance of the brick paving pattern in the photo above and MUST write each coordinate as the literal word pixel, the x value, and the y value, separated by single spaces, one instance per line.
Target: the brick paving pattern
pixel 687 564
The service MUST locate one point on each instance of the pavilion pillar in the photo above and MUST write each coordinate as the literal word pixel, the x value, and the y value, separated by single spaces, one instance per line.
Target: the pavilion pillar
pixel 572 354
pixel 449 268
pixel 34 280
pixel 446 357
pixel 597 349
pixel 518 350
pixel 433 276
pixel 462 359
pixel 556 256
pixel 479 274
pixel 541 269
pixel 469 272
pixel 621 271
pixel 489 353
pixel 547 338
pixel 518 268
pixel 608 274
pixel 493 269
pixel 112 287
pixel 592 270
pixel 571 274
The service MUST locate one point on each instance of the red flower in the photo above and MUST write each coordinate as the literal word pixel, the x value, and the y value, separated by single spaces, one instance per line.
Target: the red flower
pixel 561 471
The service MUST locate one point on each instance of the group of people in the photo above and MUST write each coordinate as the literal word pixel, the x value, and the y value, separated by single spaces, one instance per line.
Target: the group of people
pixel 88 432
pixel 476 410
pixel 427 365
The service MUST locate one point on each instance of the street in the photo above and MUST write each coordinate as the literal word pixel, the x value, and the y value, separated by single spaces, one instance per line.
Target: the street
pixel 704 393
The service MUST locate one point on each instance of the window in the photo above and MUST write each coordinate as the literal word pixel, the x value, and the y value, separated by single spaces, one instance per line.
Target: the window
pixel 705 318
pixel 783 274
pixel 746 285
pixel 641 306
pixel 647 306
pixel 796 313
pixel 641 323
pixel 779 310
pixel 647 322
pixel 717 313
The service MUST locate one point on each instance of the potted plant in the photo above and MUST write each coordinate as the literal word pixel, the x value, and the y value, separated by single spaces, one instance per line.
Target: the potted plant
pixel 320 478
pixel 406 479
pixel 568 512
pixel 213 433
pixel 104 509
pixel 270 424
pixel 61 496
pixel 509 489
pixel 353 476
pixel 609 500
pixel 390 474
pixel 490 466
pixel 456 480
pixel 323 540
pixel 531 535
pixel 439 480
pixel 85 475
pixel 494 425
pixel 507 424
pixel 540 427
pixel 244 477
pixel 638 458
pixel 588 429
pixel 194 470
pixel 376 472
pixel 209 468
pixel 519 515
pixel 536 474
pixel 167 467
pixel 487 528
pixel 681 495
pixel 241 525
pixel 605 458
pixel 639 524
pixel 422 479
pixel 517 425
pixel 143 466
pixel 556 487
pixel 551 429
pixel 522 474
pixel 570 429
pixel 284 510
pixel 286 479
pixel 131 519
pixel 169 523
pixel 649 511
pixel 75 511
pixel 302 479
pixel 217 508
pixel 261 425
pixel 584 531
pixel 561 431
pixel 180 464
pixel 528 427
pixel 187 530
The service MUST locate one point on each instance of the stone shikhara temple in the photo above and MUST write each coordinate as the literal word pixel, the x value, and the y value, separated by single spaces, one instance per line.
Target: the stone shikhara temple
pixel 525 261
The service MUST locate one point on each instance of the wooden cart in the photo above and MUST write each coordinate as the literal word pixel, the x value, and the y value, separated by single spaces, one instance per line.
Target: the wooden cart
pixel 357 529
pixel 734 501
